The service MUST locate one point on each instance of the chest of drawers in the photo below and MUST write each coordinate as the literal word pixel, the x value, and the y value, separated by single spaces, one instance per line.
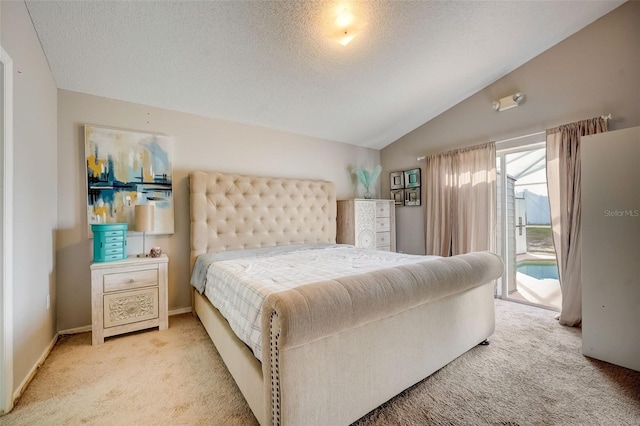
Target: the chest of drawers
pixel 367 224
pixel 109 241
pixel 128 295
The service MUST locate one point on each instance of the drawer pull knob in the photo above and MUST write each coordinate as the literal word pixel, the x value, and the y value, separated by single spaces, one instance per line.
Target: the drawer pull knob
pixel 131 280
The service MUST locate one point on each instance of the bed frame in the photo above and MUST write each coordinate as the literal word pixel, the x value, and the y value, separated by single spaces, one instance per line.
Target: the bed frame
pixel 333 351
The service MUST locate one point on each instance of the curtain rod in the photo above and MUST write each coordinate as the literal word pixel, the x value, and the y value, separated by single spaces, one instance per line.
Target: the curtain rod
pixel 604 117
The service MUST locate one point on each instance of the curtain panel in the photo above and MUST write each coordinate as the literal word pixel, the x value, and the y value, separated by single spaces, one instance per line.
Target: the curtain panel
pixel 460 201
pixel 563 181
pixel 437 184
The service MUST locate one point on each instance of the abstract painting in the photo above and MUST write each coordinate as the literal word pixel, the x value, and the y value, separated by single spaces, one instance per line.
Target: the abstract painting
pixel 124 169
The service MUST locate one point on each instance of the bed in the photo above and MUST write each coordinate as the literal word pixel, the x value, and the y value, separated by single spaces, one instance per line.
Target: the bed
pixel 335 348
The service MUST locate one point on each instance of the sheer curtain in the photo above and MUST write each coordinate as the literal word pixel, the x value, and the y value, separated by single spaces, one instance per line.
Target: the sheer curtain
pixel 563 181
pixel 460 201
pixel 438 184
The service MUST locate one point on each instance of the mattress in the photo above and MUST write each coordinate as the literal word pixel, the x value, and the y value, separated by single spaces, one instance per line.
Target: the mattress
pixel 237 282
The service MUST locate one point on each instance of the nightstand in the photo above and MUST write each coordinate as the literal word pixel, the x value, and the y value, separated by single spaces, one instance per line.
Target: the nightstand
pixel 128 295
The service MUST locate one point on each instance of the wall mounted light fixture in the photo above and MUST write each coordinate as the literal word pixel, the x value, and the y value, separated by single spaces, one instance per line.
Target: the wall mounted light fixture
pixel 508 102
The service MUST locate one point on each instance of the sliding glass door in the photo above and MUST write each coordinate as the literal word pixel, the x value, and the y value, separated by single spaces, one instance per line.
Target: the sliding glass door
pixel 524 228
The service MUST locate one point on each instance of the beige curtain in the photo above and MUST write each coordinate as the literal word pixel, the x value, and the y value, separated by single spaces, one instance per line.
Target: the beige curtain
pixel 563 181
pixel 438 184
pixel 460 207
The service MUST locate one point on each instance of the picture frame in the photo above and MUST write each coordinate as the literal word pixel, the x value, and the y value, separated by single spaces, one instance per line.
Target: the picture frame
pixel 397 195
pixel 125 168
pixel 412 196
pixel 412 178
pixel 396 180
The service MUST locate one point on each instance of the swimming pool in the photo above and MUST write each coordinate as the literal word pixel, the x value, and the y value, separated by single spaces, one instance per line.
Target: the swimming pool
pixel 540 269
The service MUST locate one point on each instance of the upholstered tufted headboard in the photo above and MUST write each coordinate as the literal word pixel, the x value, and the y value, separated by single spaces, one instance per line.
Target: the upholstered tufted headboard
pixel 230 212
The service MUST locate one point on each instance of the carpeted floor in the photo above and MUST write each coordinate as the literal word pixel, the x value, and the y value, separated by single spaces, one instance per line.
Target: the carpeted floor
pixel 532 373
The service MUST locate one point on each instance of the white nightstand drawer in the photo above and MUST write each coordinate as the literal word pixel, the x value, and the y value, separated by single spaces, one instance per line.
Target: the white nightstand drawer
pixel 382 209
pixel 383 239
pixel 384 248
pixel 130 280
pixel 130 306
pixel 383 224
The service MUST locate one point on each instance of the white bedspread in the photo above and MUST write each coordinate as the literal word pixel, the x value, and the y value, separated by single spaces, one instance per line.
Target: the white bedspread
pixel 237 282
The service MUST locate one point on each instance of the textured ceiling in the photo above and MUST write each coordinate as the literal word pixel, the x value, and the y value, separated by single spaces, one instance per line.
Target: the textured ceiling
pixel 268 63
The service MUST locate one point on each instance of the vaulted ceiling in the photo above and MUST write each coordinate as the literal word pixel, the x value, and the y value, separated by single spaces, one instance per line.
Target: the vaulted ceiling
pixel 269 63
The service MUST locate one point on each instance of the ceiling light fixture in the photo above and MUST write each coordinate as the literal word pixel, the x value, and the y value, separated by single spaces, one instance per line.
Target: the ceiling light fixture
pixel 508 102
pixel 345 27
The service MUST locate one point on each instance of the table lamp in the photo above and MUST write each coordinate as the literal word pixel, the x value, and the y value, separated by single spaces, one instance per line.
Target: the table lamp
pixel 144 223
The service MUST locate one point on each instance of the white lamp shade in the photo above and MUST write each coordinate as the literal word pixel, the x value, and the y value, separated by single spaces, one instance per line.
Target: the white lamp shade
pixel 144 217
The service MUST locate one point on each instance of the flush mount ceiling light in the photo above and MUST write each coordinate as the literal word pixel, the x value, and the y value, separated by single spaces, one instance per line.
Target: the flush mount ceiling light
pixel 345 27
pixel 508 102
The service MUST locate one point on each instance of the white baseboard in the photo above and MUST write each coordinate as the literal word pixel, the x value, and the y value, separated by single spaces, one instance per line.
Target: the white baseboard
pixel 83 329
pixel 23 386
pixel 180 311
pixel 75 330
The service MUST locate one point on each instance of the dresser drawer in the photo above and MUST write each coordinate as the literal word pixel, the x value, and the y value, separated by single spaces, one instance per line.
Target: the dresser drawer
pixel 384 248
pixel 382 209
pixel 113 234
pixel 116 239
pixel 130 306
pixel 383 239
pixel 366 239
pixel 130 280
pixel 112 245
pixel 112 257
pixel 383 224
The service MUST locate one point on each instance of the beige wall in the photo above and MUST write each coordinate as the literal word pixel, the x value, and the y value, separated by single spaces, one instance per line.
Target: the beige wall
pixel 35 190
pixel 596 71
pixel 199 143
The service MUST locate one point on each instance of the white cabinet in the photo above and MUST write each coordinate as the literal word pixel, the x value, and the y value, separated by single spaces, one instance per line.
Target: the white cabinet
pixel 128 295
pixel 367 224
pixel 611 246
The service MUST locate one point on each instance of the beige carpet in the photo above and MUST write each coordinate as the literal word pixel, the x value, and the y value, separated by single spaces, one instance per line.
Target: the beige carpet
pixel 533 373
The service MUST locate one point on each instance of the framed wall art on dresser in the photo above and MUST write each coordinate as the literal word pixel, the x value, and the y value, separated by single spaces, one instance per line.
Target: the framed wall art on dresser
pixel 405 187
pixel 397 195
pixel 396 180
pixel 412 185
pixel 412 196
pixel 412 178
